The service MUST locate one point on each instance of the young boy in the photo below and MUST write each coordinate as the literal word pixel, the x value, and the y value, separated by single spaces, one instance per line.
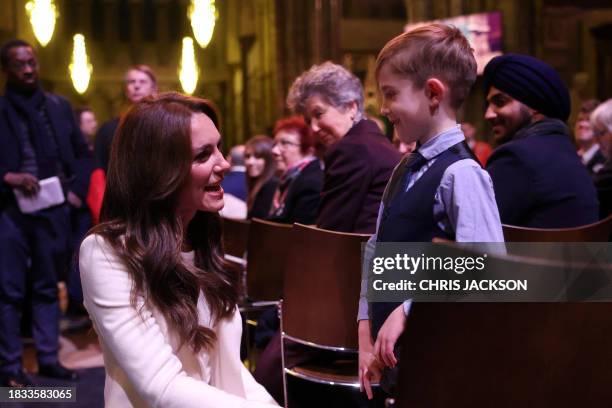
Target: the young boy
pixel 439 190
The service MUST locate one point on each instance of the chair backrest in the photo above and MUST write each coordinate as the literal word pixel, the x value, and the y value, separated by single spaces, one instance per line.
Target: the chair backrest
pixel 321 288
pixel 596 232
pixel 507 354
pixel 267 250
pixel 235 235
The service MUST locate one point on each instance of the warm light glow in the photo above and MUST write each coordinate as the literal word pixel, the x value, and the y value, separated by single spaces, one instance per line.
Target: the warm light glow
pixel 203 15
pixel 42 15
pixel 188 70
pixel 80 68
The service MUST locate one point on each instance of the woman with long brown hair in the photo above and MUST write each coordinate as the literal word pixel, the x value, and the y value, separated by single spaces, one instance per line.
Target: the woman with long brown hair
pixel 261 181
pixel 154 279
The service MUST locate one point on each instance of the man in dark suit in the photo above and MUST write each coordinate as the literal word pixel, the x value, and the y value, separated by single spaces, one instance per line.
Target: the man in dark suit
pixel 40 140
pixel 538 178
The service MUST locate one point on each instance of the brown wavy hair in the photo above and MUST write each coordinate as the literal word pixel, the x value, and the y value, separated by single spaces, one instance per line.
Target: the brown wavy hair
pixel 261 147
pixel 150 162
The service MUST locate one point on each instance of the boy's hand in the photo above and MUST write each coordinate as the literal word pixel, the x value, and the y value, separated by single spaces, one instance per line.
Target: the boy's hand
pixel 369 367
pixel 370 370
pixel 388 335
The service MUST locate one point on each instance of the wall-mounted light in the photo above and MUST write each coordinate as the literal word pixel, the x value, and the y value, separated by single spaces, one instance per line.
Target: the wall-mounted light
pixel 188 70
pixel 42 15
pixel 203 15
pixel 80 68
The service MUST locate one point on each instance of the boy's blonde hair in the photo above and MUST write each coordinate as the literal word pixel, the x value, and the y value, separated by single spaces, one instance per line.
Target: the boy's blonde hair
pixel 433 50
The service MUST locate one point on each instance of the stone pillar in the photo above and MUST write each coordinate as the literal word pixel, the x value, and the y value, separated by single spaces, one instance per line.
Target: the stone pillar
pixel 308 32
pixel 246 42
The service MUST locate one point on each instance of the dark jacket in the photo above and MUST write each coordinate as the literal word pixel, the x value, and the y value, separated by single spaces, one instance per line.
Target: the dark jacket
pixel 303 197
pixel 603 184
pixel 234 183
pixel 539 180
pixel 263 199
pixel 76 161
pixel 596 163
pixel 357 169
pixel 104 140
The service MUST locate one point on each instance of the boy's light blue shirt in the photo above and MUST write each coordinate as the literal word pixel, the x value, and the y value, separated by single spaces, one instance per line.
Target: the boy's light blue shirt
pixel 464 203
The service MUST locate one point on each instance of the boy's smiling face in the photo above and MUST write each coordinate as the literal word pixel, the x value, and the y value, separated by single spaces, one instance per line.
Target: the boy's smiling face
pixel 406 106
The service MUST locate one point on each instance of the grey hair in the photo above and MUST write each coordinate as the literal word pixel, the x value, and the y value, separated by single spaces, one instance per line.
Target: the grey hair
pixel 332 82
pixel 602 115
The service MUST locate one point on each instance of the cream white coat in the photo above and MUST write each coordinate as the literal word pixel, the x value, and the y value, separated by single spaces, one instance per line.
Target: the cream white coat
pixel 144 366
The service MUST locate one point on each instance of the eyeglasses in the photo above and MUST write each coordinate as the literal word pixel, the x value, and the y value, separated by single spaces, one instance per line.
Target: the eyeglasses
pixel 284 143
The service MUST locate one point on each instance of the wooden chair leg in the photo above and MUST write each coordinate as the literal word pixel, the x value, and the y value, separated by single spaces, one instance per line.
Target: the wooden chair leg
pixel 282 343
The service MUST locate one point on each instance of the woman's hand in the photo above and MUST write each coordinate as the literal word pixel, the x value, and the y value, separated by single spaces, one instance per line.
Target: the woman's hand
pixel 387 336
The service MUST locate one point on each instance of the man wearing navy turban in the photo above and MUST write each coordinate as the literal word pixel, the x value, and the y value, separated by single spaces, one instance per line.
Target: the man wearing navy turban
pixel 538 178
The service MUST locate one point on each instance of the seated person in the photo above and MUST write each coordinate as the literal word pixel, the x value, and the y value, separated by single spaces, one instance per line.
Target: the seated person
pixel 298 194
pixel 538 178
pixel 234 186
pixel 601 120
pixel 260 171
pixel 588 148
pixel 359 158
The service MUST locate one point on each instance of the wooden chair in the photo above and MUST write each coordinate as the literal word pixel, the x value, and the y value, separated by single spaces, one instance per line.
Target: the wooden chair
pixel 507 354
pixel 235 236
pixel 596 232
pixel 321 293
pixel 267 249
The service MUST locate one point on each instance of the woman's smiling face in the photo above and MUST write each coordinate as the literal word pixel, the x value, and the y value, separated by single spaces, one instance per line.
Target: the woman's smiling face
pixel 203 191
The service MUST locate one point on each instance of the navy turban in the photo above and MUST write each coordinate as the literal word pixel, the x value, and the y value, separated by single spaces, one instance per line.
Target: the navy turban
pixel 530 81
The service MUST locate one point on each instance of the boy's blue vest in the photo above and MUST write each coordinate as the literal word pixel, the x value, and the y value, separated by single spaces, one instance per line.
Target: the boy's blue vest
pixel 408 216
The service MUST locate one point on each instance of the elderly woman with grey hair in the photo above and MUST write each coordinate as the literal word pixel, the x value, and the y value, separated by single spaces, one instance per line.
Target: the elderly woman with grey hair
pixel 359 159
pixel 601 119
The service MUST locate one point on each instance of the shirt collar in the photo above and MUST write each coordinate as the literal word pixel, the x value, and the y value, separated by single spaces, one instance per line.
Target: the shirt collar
pixel 589 153
pixel 441 142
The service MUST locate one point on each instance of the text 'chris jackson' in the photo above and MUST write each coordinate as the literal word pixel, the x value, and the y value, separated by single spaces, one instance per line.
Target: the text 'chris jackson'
pixel 427 285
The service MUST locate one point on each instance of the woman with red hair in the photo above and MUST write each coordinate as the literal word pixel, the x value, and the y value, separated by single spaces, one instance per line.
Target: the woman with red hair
pixel 298 193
